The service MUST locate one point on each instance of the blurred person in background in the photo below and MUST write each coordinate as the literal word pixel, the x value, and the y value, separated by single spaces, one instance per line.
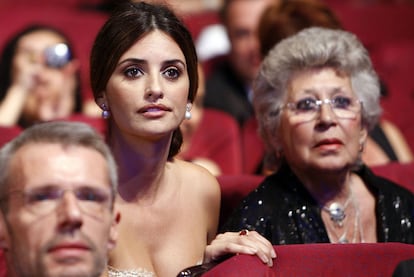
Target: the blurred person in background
pixel 40 79
pixel 228 86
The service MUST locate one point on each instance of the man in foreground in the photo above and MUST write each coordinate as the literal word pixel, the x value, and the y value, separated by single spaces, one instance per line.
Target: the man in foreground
pixel 57 187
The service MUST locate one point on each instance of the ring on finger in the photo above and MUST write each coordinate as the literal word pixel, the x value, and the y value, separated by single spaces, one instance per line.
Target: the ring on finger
pixel 244 232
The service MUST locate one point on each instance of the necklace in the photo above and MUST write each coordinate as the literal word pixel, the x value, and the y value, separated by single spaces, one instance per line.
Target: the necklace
pixel 358 223
pixel 336 211
pixel 343 238
pixel 337 216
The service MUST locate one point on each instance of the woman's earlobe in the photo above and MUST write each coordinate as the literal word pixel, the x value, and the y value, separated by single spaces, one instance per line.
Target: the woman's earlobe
pixel 100 100
pixel 364 136
pixel 106 112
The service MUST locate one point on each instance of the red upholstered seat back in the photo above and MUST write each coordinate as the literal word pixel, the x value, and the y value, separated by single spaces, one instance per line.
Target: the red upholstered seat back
pixel 198 21
pixel 3 268
pixel 377 22
pixel 252 146
pixel 233 189
pixel 394 61
pixel 8 133
pixel 402 174
pixel 98 123
pixel 322 260
pixel 218 139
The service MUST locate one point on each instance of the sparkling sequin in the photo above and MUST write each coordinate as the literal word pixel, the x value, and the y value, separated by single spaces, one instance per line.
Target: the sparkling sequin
pixel 397 203
pixel 405 223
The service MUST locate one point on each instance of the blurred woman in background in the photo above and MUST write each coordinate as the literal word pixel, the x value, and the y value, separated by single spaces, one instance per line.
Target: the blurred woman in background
pixel 40 79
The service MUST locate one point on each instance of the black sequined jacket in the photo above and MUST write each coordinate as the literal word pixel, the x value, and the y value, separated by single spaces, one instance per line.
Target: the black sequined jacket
pixel 283 211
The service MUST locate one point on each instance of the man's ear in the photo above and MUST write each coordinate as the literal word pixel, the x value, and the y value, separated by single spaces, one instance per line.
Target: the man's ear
pixel 4 233
pixel 113 232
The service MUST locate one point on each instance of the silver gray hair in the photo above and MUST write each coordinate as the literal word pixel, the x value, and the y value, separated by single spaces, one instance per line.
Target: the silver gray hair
pixel 313 47
pixel 59 132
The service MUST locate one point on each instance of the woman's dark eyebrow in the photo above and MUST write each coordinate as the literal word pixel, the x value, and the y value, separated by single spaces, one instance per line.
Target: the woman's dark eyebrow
pixel 132 60
pixel 141 61
pixel 175 61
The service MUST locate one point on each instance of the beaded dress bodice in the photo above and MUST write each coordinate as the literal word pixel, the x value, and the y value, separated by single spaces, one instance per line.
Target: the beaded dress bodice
pixel 140 272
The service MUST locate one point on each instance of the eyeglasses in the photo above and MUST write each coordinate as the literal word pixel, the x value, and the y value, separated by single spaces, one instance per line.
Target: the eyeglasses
pixel 45 200
pixel 307 109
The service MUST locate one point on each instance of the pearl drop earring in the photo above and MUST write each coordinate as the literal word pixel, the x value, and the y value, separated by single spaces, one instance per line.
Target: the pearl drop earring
pixel 187 112
pixel 105 113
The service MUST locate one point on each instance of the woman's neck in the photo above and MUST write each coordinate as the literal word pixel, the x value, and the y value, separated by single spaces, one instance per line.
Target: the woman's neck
pixel 141 165
pixel 325 186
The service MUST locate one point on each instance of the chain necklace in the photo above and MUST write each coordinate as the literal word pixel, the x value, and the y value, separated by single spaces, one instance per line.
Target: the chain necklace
pixel 336 211
pixel 337 215
pixel 343 238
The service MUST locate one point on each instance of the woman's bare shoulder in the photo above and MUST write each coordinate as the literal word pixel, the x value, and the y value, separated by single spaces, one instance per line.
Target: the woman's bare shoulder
pixel 201 186
pixel 197 177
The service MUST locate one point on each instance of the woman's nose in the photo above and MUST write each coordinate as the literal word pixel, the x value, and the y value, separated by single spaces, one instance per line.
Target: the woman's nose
pixel 326 112
pixel 153 89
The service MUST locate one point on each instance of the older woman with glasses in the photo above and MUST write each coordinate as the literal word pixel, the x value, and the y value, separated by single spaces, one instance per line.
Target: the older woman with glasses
pixel 316 97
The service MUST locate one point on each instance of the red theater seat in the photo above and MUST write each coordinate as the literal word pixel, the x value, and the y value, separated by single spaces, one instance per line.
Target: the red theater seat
pixel 8 133
pixel 218 139
pixel 252 147
pixel 233 189
pixel 322 260
pixel 196 22
pixel 69 4
pixel 98 123
pixel 3 268
pixel 376 23
pixel 394 62
pixel 402 174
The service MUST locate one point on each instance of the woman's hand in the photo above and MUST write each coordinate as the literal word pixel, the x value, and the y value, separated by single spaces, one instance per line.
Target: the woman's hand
pixel 243 242
pixel 13 103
